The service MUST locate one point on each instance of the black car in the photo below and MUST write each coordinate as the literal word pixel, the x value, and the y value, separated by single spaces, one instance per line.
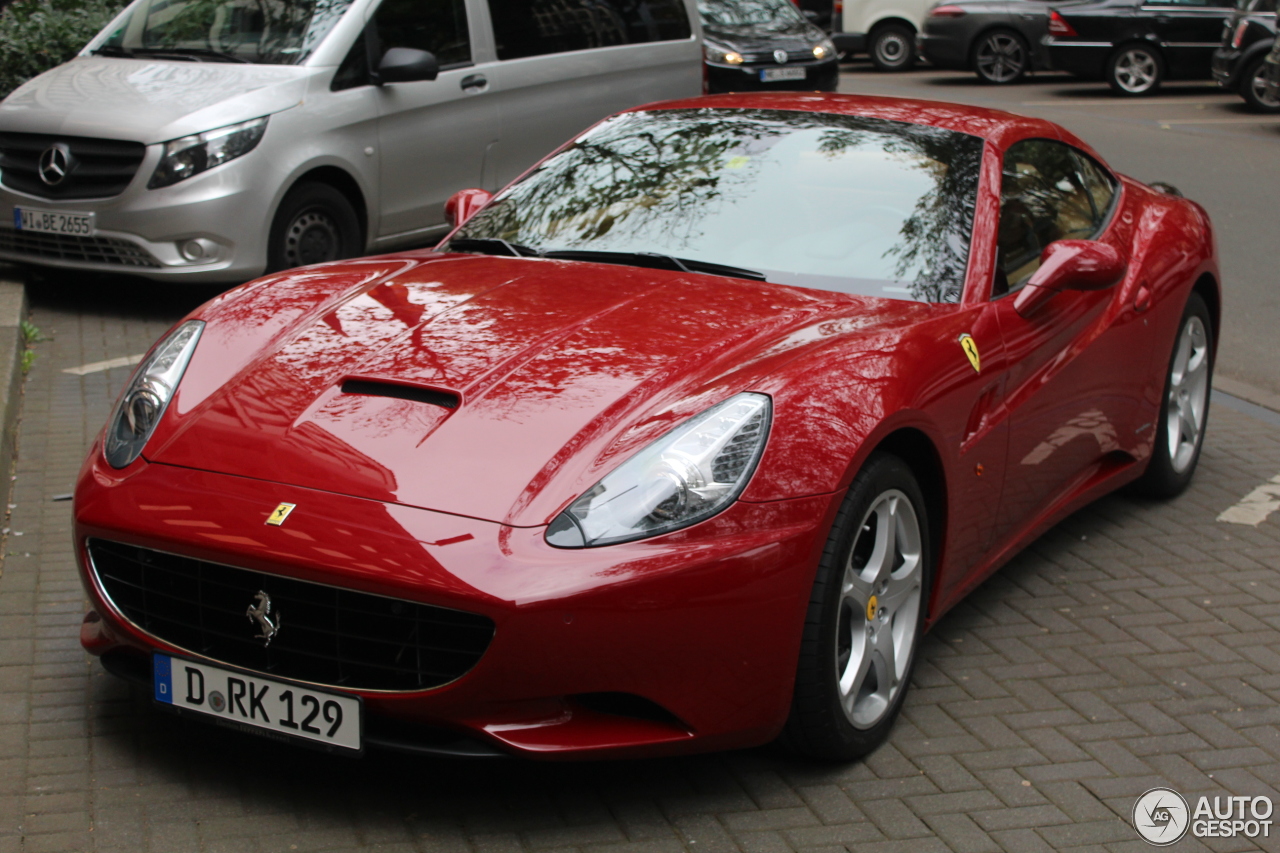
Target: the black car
pixel 1239 63
pixel 755 45
pixel 1136 46
pixel 999 40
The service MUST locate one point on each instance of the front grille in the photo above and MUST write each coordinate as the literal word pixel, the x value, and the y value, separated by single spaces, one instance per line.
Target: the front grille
pixel 800 54
pixel 327 635
pixel 100 168
pixel 69 247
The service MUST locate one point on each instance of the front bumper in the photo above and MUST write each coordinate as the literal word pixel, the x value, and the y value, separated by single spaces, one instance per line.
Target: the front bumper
pixel 821 76
pixel 704 623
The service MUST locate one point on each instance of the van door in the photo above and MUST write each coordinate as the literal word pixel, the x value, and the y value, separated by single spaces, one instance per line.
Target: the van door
pixel 565 64
pixel 433 134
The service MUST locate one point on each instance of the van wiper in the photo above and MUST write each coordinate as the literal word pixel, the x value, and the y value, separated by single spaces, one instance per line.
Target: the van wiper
pixel 194 54
pixel 654 260
pixel 113 50
pixel 492 246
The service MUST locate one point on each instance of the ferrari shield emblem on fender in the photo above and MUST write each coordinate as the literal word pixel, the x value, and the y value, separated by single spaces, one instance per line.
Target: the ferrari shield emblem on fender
pixel 279 514
pixel 970 347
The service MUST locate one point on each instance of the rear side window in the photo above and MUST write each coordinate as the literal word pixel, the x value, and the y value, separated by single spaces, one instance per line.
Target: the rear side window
pixel 538 27
pixel 1049 191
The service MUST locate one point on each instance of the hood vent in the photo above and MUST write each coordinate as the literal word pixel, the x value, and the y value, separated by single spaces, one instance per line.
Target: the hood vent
pixel 418 394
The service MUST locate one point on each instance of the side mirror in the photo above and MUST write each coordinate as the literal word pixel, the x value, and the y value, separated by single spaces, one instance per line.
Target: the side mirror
pixel 1070 265
pixel 811 16
pixel 406 65
pixel 463 205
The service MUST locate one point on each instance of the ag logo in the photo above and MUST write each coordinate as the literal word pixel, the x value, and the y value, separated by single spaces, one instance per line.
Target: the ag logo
pixel 1161 816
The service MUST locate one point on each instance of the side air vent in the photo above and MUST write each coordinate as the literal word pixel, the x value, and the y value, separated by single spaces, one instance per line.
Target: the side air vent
pixel 369 388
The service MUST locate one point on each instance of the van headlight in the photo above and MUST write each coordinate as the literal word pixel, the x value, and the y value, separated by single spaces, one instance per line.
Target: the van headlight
pixel 687 475
pixel 192 155
pixel 148 394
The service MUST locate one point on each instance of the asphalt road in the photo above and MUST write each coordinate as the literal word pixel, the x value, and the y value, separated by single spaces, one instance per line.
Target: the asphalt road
pixel 1192 135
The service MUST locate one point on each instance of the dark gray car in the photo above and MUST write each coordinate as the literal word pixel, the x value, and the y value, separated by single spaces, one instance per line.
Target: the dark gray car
pixel 999 40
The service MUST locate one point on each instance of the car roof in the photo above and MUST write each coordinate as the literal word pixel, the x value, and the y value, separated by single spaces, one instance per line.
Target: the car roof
pixel 996 126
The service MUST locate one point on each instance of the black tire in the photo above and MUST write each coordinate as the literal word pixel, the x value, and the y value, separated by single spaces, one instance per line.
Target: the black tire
pixel 315 223
pixel 1253 87
pixel 1135 70
pixel 1001 57
pixel 1187 383
pixel 835 723
pixel 892 47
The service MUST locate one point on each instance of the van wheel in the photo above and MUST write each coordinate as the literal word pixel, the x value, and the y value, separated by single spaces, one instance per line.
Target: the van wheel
pixel 893 48
pixel 315 223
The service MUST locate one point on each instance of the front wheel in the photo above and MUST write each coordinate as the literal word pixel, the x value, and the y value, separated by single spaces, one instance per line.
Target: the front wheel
pixel 1185 410
pixel 315 223
pixel 865 619
pixel 1001 57
pixel 1135 70
pixel 1253 87
pixel 893 48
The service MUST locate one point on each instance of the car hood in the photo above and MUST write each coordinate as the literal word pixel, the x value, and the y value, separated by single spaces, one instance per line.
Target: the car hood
pixel 535 378
pixel 761 36
pixel 147 100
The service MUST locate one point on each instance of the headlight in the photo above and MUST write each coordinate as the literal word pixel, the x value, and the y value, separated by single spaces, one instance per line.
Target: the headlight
pixel 143 402
pixel 691 473
pixel 823 49
pixel 192 155
pixel 713 52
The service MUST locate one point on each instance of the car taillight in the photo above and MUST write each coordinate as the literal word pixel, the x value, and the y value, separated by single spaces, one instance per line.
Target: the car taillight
pixel 947 11
pixel 1059 26
pixel 839 7
pixel 1238 38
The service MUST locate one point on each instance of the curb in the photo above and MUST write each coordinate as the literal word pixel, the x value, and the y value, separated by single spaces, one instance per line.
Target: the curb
pixel 1245 391
pixel 13 310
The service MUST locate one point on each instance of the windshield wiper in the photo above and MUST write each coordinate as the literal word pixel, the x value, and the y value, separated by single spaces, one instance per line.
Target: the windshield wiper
pixel 113 50
pixel 487 245
pixel 654 260
pixel 195 54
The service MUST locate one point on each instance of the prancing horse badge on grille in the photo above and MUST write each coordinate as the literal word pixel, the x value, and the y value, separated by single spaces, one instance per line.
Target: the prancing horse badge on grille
pixel 260 612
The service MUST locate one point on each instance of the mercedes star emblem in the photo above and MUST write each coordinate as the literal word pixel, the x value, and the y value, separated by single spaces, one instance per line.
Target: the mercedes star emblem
pixel 780 56
pixel 55 163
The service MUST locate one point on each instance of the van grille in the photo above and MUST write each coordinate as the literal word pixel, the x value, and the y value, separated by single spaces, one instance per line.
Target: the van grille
pixel 328 635
pixel 100 168
pixel 69 247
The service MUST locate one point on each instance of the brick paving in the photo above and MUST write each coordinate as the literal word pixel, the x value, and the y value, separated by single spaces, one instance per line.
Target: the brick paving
pixel 1135 645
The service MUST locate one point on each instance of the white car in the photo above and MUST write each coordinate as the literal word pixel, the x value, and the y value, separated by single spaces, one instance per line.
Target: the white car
pixel 884 29
pixel 210 140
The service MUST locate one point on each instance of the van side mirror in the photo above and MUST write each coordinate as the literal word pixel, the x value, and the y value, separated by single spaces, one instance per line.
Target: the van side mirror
pixel 463 205
pixel 407 65
pixel 1070 265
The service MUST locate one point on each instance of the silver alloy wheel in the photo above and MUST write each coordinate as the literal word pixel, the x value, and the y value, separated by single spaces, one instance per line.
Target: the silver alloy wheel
pixel 880 598
pixel 1001 58
pixel 1136 71
pixel 312 238
pixel 1188 394
pixel 1259 86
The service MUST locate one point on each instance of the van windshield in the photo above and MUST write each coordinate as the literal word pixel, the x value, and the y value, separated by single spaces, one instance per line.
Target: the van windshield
pixel 270 32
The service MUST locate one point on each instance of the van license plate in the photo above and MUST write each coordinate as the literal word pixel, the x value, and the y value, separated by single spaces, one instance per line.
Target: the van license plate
pixel 771 75
pixel 53 221
pixel 242 699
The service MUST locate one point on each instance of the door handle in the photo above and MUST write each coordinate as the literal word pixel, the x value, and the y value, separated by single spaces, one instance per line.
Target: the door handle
pixel 475 83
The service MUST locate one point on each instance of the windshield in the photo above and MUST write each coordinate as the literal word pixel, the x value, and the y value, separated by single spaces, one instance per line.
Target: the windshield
pixel 837 203
pixel 272 32
pixel 746 13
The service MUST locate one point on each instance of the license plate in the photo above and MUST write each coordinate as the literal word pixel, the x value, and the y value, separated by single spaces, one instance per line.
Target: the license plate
pixel 53 221
pixel 770 75
pixel 243 700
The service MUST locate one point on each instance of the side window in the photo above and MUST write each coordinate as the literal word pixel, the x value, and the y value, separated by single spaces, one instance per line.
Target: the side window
pixel 436 26
pixel 1049 191
pixel 539 27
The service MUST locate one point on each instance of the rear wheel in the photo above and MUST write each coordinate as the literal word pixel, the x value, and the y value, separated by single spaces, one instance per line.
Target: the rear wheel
pixel 1135 70
pixel 1185 410
pixel 1253 87
pixel 315 223
pixel 893 48
pixel 866 615
pixel 1001 57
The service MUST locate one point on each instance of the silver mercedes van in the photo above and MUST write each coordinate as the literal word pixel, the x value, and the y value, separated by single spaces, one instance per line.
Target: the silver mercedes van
pixel 213 140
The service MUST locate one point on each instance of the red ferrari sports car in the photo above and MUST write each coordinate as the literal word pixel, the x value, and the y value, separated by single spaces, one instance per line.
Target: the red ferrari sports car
pixel 679 442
